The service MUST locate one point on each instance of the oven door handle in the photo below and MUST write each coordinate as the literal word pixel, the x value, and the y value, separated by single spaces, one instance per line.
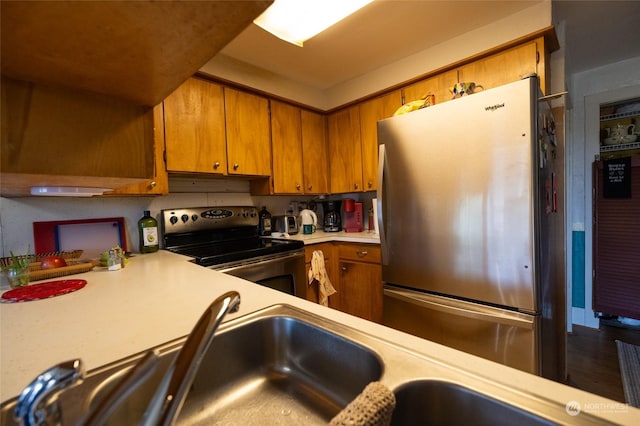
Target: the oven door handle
pixel 262 260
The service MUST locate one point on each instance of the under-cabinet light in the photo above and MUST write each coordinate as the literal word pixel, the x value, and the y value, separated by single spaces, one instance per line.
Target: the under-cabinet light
pixel 296 21
pixel 67 191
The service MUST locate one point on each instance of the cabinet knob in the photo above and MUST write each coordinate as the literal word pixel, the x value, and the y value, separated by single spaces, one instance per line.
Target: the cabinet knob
pixel 355 186
pixel 297 187
pixel 370 184
pixel 216 165
pixel 362 253
pixel 235 166
pixel 152 184
pixel 343 268
pixel 309 187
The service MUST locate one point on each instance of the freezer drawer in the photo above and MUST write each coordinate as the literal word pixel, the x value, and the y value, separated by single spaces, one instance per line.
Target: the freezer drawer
pixel 500 335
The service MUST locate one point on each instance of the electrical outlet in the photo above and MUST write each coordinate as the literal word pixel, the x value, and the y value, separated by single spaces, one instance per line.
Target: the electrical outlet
pixel 293 207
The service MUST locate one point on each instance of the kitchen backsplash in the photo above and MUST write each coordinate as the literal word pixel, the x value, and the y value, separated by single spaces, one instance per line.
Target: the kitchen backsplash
pixel 18 214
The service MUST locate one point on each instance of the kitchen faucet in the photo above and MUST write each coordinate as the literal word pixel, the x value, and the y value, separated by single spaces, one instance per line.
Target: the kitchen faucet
pixel 174 387
pixel 38 404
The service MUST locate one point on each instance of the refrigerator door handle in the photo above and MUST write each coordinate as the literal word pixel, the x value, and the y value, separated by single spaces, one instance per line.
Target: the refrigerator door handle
pixel 379 195
pixel 464 309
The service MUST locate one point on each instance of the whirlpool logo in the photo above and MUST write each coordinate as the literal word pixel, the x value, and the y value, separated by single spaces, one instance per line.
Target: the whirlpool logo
pixel 494 107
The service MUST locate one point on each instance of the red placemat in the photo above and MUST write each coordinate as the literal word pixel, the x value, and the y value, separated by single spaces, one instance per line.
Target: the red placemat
pixel 42 290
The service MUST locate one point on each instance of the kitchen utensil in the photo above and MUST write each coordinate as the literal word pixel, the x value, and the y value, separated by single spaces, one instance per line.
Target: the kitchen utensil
pixel 332 220
pixel 309 221
pixel 285 223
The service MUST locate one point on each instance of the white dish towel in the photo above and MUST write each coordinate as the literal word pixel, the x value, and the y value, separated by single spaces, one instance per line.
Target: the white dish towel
pixel 317 272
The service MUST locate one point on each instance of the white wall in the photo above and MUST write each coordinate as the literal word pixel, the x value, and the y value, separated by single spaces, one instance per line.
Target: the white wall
pixel 589 89
pixel 18 214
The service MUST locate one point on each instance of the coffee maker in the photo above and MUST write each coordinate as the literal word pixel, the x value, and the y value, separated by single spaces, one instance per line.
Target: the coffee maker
pixel 352 215
pixel 332 221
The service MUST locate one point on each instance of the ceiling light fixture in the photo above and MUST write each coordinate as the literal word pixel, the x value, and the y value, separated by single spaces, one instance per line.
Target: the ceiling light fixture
pixel 296 21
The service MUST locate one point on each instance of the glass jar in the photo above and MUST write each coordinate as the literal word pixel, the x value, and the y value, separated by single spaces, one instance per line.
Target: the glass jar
pixel 18 276
pixel 114 263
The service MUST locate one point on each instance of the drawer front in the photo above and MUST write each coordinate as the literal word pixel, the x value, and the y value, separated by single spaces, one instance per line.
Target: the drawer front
pixel 326 249
pixel 359 252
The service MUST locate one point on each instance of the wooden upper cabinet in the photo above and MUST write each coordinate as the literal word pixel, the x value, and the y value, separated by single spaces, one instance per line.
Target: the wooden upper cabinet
pixel 370 112
pixel 58 137
pixel 159 183
pixel 195 128
pixel 502 68
pixel 439 85
pixel 345 150
pixel 286 134
pixel 299 149
pixel 139 51
pixel 248 133
pixel 314 152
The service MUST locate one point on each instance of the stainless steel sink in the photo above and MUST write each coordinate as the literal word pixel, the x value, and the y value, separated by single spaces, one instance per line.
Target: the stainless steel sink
pixel 271 367
pixel 283 365
pixel 276 366
pixel 436 402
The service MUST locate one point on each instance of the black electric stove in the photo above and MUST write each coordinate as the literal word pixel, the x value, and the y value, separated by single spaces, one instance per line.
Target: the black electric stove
pixel 219 235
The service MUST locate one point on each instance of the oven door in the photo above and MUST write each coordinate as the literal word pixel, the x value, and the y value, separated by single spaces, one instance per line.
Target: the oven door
pixel 284 271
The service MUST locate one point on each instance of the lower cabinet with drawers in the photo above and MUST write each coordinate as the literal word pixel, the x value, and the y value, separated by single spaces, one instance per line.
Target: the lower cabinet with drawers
pixel 355 272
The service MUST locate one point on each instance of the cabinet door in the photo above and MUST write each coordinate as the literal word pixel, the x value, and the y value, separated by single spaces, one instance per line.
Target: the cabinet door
pixel 345 150
pixel 159 184
pixel 329 263
pixel 616 237
pixel 361 289
pixel 248 135
pixel 314 153
pixel 194 128
pixel 287 148
pixel 439 85
pixel 501 68
pixel 49 130
pixel 370 112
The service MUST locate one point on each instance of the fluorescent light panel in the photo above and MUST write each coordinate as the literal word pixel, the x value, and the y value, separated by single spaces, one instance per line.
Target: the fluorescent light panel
pixel 67 191
pixel 296 21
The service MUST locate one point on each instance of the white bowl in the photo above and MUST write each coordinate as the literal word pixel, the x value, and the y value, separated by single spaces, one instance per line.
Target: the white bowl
pixel 612 141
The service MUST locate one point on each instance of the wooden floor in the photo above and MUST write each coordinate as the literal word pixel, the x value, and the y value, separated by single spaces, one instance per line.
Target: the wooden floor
pixel 592 359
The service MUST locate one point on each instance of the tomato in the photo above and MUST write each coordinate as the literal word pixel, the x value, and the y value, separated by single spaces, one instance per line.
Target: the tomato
pixel 51 262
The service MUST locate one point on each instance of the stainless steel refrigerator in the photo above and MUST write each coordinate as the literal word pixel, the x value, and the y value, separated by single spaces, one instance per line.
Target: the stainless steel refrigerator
pixel 471 227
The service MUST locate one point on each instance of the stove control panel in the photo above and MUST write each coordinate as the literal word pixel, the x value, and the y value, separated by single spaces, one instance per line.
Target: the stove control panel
pixel 204 218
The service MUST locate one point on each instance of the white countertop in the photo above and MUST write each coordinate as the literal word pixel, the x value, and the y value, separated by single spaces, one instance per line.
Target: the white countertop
pixel 159 297
pixel 324 237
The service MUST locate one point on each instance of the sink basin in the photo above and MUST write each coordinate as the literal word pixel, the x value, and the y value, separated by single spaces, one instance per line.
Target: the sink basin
pixel 272 369
pixel 283 365
pixel 436 402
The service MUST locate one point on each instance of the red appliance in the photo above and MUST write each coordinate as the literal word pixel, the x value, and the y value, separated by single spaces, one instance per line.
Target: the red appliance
pixel 353 218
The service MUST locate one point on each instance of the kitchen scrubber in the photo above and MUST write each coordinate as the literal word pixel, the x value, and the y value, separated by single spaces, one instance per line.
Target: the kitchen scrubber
pixel 373 407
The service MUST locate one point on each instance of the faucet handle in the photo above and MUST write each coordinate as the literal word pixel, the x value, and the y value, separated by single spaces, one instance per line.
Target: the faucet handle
pixel 37 404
